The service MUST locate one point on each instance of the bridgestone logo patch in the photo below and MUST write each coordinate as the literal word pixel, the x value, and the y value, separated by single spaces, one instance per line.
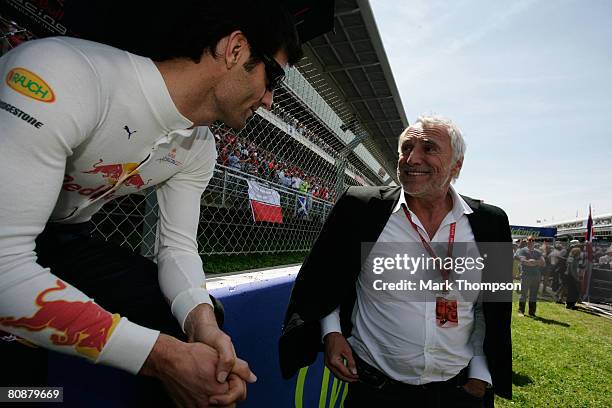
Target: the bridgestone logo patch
pixel 21 114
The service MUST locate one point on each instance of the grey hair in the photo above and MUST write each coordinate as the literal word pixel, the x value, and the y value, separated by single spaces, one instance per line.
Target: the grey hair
pixel 456 138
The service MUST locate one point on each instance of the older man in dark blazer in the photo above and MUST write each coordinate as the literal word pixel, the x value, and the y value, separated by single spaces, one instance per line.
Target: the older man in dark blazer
pixel 399 353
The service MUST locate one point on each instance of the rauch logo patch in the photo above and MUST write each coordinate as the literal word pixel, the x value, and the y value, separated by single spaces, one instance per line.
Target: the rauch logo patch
pixel 29 84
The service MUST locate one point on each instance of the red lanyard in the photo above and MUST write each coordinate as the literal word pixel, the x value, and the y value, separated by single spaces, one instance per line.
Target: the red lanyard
pixel 451 240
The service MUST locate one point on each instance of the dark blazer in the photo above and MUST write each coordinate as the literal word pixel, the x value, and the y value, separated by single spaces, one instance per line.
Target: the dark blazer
pixel 328 275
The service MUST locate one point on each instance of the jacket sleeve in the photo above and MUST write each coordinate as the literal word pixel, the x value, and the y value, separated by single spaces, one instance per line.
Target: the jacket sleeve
pixel 319 288
pixel 498 339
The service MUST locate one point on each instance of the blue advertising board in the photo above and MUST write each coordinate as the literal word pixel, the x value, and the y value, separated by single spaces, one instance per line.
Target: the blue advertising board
pixel 520 231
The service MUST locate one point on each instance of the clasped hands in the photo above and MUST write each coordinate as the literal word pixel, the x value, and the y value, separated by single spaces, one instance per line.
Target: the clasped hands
pixel 205 371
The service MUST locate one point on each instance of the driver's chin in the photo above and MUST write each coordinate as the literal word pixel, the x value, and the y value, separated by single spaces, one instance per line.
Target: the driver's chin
pixel 415 194
pixel 415 189
pixel 237 123
pixel 237 126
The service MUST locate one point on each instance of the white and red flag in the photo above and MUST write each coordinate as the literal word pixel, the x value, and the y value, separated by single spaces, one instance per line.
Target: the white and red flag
pixel 265 203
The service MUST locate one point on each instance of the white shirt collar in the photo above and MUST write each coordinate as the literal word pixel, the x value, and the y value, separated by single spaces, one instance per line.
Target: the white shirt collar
pixel 460 207
pixel 158 96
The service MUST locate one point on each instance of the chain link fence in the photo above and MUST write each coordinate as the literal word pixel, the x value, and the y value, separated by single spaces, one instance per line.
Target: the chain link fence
pixel 290 149
pixel 301 149
pixel 307 149
pixel 279 153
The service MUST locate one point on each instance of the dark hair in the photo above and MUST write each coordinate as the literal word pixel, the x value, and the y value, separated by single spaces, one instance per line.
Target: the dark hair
pixel 201 24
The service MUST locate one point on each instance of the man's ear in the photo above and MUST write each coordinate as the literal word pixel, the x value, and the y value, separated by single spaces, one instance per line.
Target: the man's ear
pixel 457 166
pixel 236 48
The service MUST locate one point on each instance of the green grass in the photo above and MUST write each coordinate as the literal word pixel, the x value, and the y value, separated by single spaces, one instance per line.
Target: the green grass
pixel 232 263
pixel 562 358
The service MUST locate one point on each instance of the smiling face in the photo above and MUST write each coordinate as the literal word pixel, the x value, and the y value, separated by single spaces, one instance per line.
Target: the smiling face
pixel 425 166
pixel 242 91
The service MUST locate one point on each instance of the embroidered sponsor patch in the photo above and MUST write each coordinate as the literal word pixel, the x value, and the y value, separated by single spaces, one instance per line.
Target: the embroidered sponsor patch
pixel 20 114
pixel 29 84
pixel 171 158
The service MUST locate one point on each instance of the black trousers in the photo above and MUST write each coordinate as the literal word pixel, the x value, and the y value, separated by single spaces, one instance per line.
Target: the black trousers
pixel 573 290
pixel 446 394
pixel 556 277
pixel 117 279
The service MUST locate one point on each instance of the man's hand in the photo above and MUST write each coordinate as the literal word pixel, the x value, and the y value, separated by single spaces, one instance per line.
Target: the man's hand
pixel 237 392
pixel 201 326
pixel 475 387
pixel 337 350
pixel 186 369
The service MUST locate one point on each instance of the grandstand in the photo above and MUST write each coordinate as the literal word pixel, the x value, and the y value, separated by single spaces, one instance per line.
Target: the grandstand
pixel 576 228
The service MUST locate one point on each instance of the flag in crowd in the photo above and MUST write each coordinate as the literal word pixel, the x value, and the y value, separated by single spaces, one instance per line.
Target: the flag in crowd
pixel 302 206
pixel 265 203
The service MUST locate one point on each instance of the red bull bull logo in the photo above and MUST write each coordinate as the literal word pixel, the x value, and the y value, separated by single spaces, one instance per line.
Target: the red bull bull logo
pixel 114 173
pixel 82 325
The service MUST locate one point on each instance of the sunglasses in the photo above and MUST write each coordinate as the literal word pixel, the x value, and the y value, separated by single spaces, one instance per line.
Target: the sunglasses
pixel 274 72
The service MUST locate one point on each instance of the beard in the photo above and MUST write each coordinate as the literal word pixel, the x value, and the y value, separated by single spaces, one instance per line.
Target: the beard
pixel 431 187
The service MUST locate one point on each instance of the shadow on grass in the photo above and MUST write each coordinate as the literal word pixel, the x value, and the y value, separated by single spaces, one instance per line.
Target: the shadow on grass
pixel 590 311
pixel 521 380
pixel 550 321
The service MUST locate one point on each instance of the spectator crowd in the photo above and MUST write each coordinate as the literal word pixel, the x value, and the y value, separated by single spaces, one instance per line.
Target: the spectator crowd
pixel 244 155
pixel 562 268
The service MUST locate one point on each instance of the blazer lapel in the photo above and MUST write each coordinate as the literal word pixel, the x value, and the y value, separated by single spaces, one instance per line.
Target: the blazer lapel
pixel 478 221
pixel 378 213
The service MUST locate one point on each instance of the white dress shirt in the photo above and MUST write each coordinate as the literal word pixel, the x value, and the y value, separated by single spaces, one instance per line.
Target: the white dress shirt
pixel 401 339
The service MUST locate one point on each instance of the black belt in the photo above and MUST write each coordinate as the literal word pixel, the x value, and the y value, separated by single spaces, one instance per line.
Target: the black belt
pixel 377 379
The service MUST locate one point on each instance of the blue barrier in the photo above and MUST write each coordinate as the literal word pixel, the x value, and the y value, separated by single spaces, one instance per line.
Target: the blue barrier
pixel 253 317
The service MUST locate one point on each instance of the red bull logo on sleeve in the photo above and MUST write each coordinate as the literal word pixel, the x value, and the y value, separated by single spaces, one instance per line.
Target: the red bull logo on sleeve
pixel 82 325
pixel 29 84
pixel 114 173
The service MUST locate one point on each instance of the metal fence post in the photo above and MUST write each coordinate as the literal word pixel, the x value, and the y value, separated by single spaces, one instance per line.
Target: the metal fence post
pixel 224 188
pixel 340 169
pixel 342 160
pixel 149 225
